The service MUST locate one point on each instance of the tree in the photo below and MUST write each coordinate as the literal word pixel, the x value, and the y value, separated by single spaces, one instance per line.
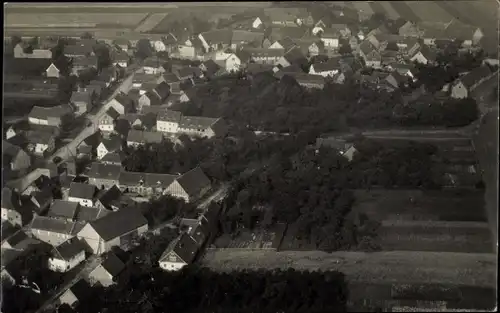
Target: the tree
pixel 86 35
pixel 144 49
pixel 345 48
pixel 103 57
pixel 15 40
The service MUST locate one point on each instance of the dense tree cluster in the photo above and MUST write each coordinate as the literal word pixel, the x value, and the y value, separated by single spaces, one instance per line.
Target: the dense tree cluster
pixel 203 290
pixel 166 208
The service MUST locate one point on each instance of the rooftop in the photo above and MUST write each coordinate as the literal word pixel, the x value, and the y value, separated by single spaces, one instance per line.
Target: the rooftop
pixel 118 223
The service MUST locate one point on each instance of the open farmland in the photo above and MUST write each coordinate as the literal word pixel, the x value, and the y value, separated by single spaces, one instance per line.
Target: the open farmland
pixel 429 11
pixel 150 22
pixel 405 11
pixel 482 14
pixel 421 205
pixel 404 267
pixel 389 10
pixel 71 19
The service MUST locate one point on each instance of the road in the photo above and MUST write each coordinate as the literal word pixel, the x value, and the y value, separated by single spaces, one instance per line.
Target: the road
pixel 89 266
pixel 70 149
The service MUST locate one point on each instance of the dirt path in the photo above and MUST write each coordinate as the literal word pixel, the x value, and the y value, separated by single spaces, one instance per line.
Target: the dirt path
pixel 387 267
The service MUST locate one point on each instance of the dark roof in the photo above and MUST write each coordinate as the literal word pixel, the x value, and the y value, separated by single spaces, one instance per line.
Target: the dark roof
pixel 64 209
pixel 171 78
pixel 366 47
pixel 93 140
pixel 85 61
pixel 200 232
pixel 148 120
pixel 184 246
pixel 131 178
pixel 197 122
pixel 159 180
pixel 110 196
pixel 118 223
pixel 188 72
pixel 194 181
pixel 8 230
pixel 222 36
pixel 140 136
pixel 331 64
pixel 112 144
pixel 246 36
pixel 111 112
pixel 163 90
pixel 46 112
pixel 82 191
pixel 89 214
pixel 125 101
pixel 113 265
pixel 80 96
pixel 153 97
pixel 14 239
pixel 53 225
pixel 254 68
pixel 10 199
pixel 211 66
pixel 170 116
pixel 291 32
pixel 120 56
pixel 295 56
pixel 68 249
pixel 262 52
pixel 105 171
pixel 309 79
pixel 474 76
pixel 78 49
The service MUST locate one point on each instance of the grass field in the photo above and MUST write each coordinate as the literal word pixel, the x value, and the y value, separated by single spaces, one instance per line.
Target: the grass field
pixel 70 19
pixel 389 10
pixel 429 11
pixel 405 11
pixel 404 267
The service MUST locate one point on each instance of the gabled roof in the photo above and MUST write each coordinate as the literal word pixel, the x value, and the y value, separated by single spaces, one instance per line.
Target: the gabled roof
pixel 68 249
pixel 121 41
pixel 170 116
pixel 287 43
pixel 120 56
pixel 171 78
pixel 80 96
pixel 211 66
pixel 473 77
pixel 366 47
pixel 162 90
pixel 291 32
pixel 131 178
pixel 144 136
pixel 184 246
pixel 295 56
pixel 48 112
pixel 110 196
pixel 85 61
pixel 64 209
pixel 82 191
pixel 112 157
pixel 284 14
pixel 78 50
pixel 194 181
pixel 59 226
pixel 331 64
pixel 459 30
pixel 265 53
pixel 188 72
pixel 197 122
pixel 113 265
pixel 159 180
pixel 222 36
pixel 246 36
pixel 303 78
pixel 89 214
pixel 125 100
pixel 111 112
pixel 148 120
pixel 200 231
pixel 118 223
pixel 14 236
pixel 105 171
pixel 153 97
pixel 112 144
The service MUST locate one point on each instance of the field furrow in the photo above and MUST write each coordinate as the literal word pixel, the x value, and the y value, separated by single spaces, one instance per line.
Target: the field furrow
pixel 429 11
pixel 405 11
pixel 390 12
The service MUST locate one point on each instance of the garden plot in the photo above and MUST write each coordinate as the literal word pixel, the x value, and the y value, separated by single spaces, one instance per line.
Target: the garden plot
pixel 429 11
pixel 245 239
pixel 420 205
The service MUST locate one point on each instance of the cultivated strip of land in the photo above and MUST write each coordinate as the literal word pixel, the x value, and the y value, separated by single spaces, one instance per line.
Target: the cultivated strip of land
pixel 379 267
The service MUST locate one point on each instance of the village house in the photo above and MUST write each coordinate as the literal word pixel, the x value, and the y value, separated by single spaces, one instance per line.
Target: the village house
pixel 52 71
pixel 115 229
pixel 107 120
pixel 14 158
pixel 209 68
pixel 82 100
pixel 78 51
pixel 242 37
pixel 47 115
pixel 325 69
pixel 149 98
pixel 122 43
pixel 106 146
pixel 310 81
pixel 261 22
pixel 330 39
pixel 153 66
pixel 89 214
pixel 464 86
pixel 67 256
pixel 76 294
pixel 82 193
pixel 83 64
pixel 13 237
pixel 265 56
pixel 122 103
pixel 369 54
pixel 201 126
pixel 192 49
pixel 293 57
pixel 137 138
pixel 26 51
pixel 179 253
pixel 424 56
pixel 63 209
pixel 13 210
pixel 168 121
pixel 409 29
pixel 53 231
pixel 291 17
pixel 113 158
pixel 39 142
pixel 468 34
pixel 108 75
pixel 216 39
pixel 109 200
pixel 190 186
pixel 286 43
pixel 104 176
pixel 120 58
pixel 106 273
pixel 396 80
